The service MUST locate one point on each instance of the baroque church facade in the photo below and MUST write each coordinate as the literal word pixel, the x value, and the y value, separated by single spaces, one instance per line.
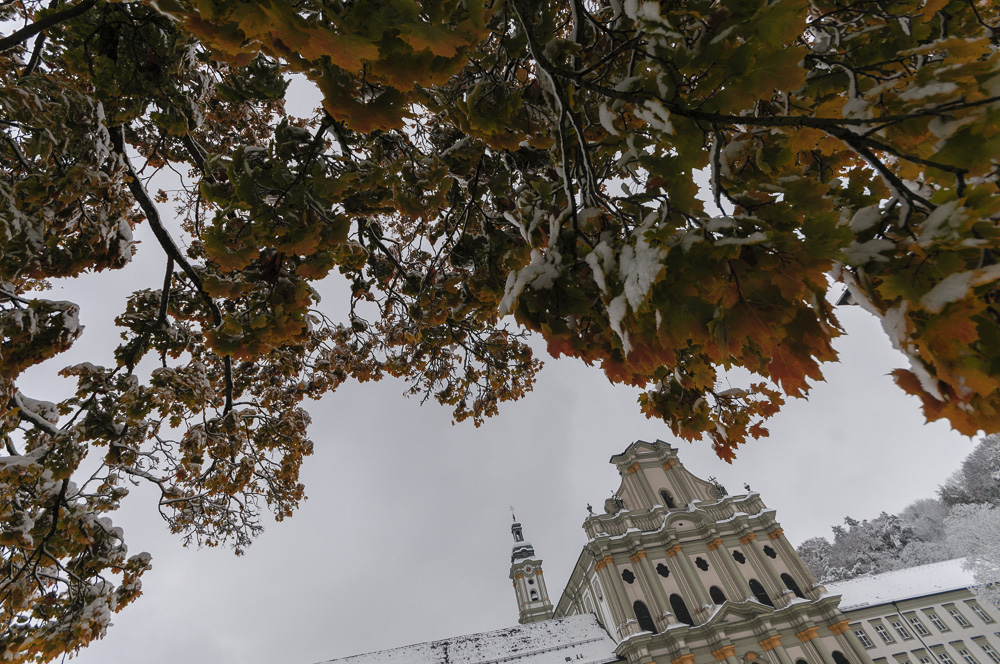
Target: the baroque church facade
pixel 676 571
pixel 679 572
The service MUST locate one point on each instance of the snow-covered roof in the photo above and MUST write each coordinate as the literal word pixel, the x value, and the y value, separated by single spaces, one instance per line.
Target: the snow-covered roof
pixel 901 584
pixel 576 639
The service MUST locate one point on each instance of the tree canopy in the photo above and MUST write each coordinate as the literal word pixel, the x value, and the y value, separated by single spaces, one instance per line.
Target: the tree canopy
pixel 478 170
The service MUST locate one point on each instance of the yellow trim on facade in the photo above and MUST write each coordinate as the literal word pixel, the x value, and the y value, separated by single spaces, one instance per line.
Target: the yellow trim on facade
pixel 683 659
pixel 746 539
pixel 602 563
pixel 776 534
pixel 808 634
pixel 770 643
pixel 637 556
pixel 840 627
pixel 723 652
pixel 674 550
pixel 670 464
pixel 634 468
pixel 715 544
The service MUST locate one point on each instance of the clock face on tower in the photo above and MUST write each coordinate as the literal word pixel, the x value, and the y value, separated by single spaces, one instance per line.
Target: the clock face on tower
pixel 528 569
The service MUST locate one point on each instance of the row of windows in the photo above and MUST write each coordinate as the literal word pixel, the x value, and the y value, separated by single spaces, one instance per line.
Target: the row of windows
pixel 940 654
pixel 680 610
pixel 917 626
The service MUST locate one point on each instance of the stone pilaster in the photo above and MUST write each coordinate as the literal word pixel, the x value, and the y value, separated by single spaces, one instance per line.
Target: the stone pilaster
pixel 616 596
pixel 853 650
pixel 737 586
pixel 773 645
pixel 658 594
pixel 765 573
pixel 689 577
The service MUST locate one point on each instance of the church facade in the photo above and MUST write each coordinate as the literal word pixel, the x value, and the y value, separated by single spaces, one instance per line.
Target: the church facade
pixel 679 572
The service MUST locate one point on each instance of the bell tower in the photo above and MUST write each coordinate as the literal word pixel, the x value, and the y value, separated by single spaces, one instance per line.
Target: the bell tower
pixel 533 603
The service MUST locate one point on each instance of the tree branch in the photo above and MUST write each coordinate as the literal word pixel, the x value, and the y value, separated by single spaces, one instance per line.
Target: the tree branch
pixel 170 248
pixel 44 23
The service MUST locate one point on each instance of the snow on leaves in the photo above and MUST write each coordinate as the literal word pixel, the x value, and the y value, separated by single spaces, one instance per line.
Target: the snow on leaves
pixel 471 160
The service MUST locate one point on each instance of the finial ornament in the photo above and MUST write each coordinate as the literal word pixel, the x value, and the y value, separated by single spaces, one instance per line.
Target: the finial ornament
pixel 590 509
pixel 513 518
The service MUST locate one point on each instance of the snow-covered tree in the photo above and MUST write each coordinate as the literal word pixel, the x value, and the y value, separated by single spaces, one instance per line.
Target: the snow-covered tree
pixel 817 554
pixel 975 530
pixel 978 480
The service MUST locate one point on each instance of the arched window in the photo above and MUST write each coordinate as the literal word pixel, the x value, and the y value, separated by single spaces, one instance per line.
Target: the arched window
pixel 680 609
pixel 801 661
pixel 770 553
pixel 663 570
pixel 838 657
pixel 628 576
pixel 534 595
pixel 701 564
pixel 668 499
pixel 715 592
pixel 739 557
pixel 759 592
pixel 791 585
pixel 642 615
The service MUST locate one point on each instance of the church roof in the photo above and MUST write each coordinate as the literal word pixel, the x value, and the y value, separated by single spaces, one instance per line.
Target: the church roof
pixel 575 639
pixel 901 584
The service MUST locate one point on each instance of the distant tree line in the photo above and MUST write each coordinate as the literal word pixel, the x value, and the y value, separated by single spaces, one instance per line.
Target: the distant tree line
pixel 962 520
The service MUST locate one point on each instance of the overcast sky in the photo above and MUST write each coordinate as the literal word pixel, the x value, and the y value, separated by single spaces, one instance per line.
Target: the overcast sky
pixel 406 533
pixel 405 536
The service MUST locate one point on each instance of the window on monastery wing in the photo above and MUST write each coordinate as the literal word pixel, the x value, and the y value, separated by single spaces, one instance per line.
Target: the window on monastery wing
pixel 883 633
pixel 739 557
pixel 838 658
pixel 758 591
pixel 978 610
pixel 680 609
pixel 662 570
pixel 918 626
pixel 668 499
pixel 642 615
pixel 933 617
pixel 967 656
pixel 990 652
pixel 701 564
pixel 715 592
pixel 863 637
pixel 959 618
pixel 628 576
pixel 944 658
pixel 769 552
pixel 901 630
pixel 791 585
